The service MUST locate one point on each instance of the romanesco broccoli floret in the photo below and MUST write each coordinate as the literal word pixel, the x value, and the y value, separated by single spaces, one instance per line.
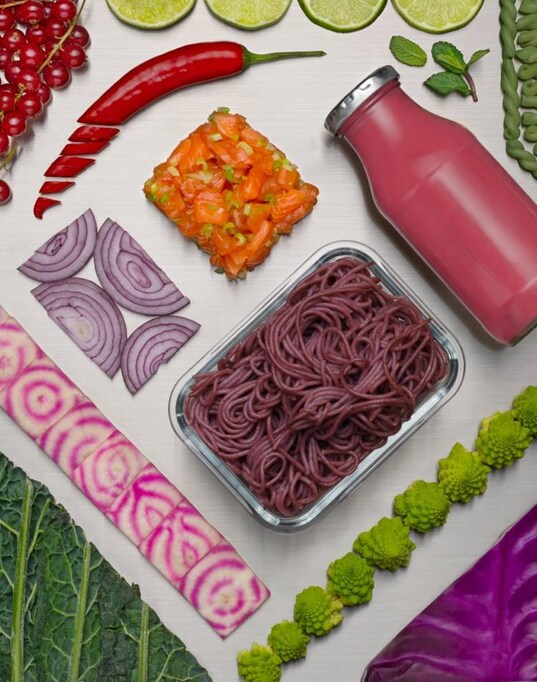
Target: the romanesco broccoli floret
pixel 317 611
pixel 525 409
pixel 423 506
pixel 350 579
pixel 386 545
pixel 502 440
pixel 259 664
pixel 462 474
pixel 288 641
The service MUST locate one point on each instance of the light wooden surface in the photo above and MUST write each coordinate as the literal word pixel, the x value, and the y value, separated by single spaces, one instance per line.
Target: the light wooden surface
pixel 288 102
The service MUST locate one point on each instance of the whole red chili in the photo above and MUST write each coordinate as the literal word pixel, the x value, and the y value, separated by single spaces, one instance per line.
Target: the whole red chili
pixel 164 74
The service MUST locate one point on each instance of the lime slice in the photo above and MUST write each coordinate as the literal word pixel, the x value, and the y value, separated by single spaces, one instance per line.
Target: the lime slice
pixel 150 14
pixel 342 15
pixel 249 14
pixel 438 16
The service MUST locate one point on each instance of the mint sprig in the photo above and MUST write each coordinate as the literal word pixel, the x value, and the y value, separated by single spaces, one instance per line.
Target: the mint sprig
pixel 456 75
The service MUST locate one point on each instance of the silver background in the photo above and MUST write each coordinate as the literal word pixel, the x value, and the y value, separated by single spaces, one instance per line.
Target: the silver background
pixel 288 102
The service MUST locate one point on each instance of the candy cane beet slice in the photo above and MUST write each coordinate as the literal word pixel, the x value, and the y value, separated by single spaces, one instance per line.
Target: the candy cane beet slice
pixel 145 503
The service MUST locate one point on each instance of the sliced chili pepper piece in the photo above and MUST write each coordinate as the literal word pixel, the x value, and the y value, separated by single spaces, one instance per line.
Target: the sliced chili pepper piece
pixel 75 148
pixel 43 204
pixel 168 72
pixel 55 186
pixel 68 166
pixel 93 134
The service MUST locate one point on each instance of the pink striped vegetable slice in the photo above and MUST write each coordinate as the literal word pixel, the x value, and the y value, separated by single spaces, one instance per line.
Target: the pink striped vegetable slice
pixel 146 502
pixel 179 542
pixel 109 470
pixel 75 436
pixel 223 589
pixel 39 396
pixel 17 350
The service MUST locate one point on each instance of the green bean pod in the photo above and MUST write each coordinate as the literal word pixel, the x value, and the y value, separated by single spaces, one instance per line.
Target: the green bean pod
pixel 526 159
pixel 527 55
pixel 528 102
pixel 529 118
pixel 528 7
pixel 527 38
pixel 530 88
pixel 527 72
pixel 527 23
pixel 530 134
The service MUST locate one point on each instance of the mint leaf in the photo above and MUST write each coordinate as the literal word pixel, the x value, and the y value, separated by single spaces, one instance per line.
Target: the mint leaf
pixel 449 57
pixel 445 82
pixel 476 57
pixel 407 52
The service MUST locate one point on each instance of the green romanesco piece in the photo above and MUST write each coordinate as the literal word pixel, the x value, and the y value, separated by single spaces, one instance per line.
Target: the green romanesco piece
pixel 317 611
pixel 386 545
pixel 350 579
pixel 525 409
pixel 502 440
pixel 288 641
pixel 260 664
pixel 462 474
pixel 423 506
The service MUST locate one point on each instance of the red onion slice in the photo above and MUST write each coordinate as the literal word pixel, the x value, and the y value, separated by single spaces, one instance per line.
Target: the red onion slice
pixel 151 345
pixel 131 276
pixel 64 254
pixel 89 316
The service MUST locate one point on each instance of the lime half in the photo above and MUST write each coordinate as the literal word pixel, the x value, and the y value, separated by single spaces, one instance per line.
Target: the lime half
pixel 342 15
pixel 438 16
pixel 249 14
pixel 150 14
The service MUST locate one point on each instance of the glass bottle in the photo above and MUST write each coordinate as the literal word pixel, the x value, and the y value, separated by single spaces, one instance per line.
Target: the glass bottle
pixel 449 198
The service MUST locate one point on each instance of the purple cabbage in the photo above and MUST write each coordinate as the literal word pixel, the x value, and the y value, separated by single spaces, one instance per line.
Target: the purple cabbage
pixel 483 628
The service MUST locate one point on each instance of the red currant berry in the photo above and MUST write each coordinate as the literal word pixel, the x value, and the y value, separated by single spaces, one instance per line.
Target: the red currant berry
pixel 36 35
pixel 4 143
pixel 7 19
pixel 5 192
pixel 30 105
pixel 12 71
pixel 73 56
pixel 45 95
pixel 57 75
pixel 13 40
pixel 64 10
pixel 5 58
pixel 28 80
pixel 80 36
pixel 14 123
pixel 55 28
pixel 7 97
pixel 30 12
pixel 32 56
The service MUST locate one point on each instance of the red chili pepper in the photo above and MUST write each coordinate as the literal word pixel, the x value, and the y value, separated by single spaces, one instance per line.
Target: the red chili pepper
pixel 147 82
pixel 93 134
pixel 55 186
pixel 68 166
pixel 43 204
pixel 159 76
pixel 75 148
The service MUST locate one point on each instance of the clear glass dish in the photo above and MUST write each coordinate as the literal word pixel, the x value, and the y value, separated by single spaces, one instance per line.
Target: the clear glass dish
pixel 427 406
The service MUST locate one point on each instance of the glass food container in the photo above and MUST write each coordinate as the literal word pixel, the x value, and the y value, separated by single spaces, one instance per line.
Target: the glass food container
pixel 426 407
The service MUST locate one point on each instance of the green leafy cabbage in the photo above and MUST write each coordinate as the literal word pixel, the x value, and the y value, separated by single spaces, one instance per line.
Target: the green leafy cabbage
pixel 65 614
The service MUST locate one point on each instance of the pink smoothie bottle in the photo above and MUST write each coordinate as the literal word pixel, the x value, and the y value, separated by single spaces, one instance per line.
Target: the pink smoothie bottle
pixel 449 198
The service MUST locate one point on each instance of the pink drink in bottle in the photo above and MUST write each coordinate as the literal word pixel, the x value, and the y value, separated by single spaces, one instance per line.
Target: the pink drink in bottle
pixel 449 198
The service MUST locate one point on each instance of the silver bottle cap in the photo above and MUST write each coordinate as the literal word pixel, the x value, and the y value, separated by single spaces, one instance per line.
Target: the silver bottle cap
pixel 357 96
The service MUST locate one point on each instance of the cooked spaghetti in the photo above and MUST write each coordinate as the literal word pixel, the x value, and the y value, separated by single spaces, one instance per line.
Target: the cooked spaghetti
pixel 297 405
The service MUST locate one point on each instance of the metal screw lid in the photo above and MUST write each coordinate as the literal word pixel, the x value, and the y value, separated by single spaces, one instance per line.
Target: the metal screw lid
pixel 357 96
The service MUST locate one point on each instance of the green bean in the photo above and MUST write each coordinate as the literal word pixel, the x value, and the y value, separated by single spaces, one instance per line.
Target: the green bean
pixel 529 22
pixel 527 55
pixel 527 72
pixel 530 134
pixel 526 37
pixel 528 6
pixel 526 159
pixel 529 118
pixel 528 102
pixel 530 88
